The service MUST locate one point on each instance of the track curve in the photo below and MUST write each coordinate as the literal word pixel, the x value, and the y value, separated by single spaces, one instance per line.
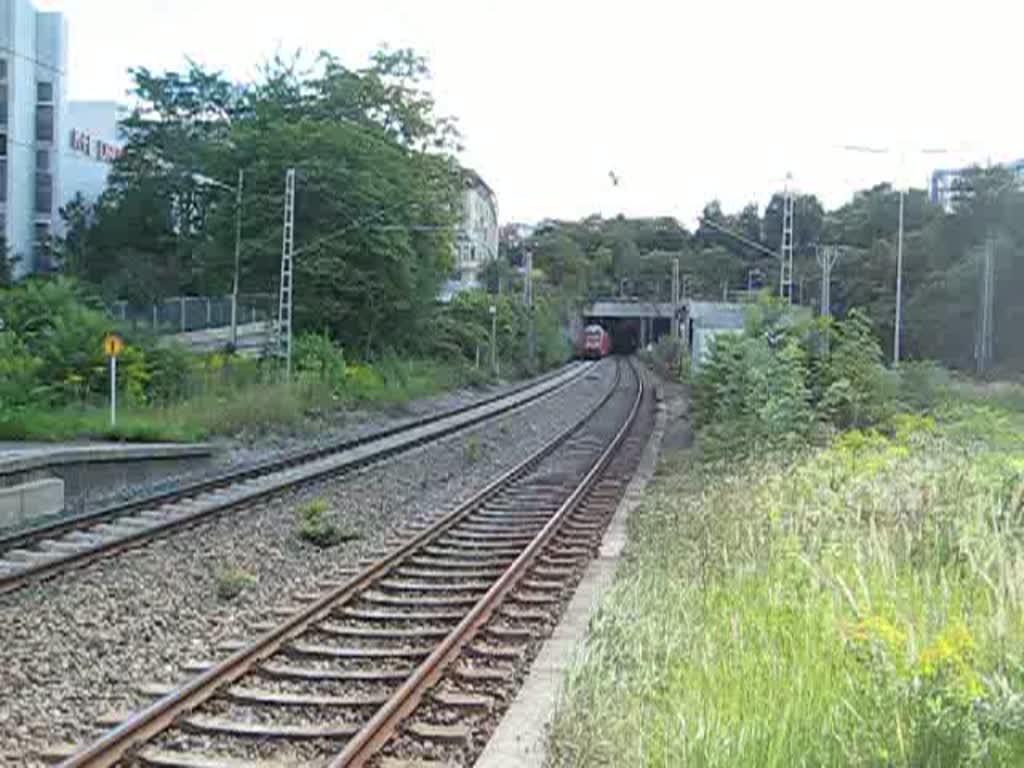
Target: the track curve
pixel 333 682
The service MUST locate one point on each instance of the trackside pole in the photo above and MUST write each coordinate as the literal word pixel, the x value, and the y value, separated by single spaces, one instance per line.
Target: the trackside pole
pixel 113 346
pixel 113 391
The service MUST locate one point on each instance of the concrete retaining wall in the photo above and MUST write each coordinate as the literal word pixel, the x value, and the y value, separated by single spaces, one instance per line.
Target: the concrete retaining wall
pixel 84 474
pixel 21 503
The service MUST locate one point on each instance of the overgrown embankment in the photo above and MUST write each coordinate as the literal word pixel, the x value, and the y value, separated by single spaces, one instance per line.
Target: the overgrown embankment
pixel 54 377
pixel 831 597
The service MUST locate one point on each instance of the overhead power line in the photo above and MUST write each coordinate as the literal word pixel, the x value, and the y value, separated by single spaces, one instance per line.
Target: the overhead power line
pixel 737 236
pixel 366 220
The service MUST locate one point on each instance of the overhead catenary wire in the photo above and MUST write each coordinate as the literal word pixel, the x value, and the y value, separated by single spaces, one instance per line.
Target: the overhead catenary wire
pixel 745 240
pixel 332 236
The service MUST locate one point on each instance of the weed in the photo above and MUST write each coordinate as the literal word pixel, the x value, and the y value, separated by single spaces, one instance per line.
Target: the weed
pixel 473 450
pixel 232 581
pixel 315 527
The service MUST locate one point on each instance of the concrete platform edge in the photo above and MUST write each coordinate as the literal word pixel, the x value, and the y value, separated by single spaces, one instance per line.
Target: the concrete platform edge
pixel 43 457
pixel 521 738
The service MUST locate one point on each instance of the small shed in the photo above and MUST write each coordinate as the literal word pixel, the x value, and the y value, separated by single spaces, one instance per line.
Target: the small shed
pixel 707 319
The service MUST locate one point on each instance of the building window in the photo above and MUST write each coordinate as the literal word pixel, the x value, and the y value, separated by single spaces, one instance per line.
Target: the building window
pixel 3 91
pixel 44 123
pixel 43 160
pixel 44 193
pixel 44 93
pixel 43 248
pixel 3 167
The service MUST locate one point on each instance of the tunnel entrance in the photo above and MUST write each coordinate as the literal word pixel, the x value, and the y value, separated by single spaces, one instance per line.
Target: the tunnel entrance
pixel 629 334
pixel 625 336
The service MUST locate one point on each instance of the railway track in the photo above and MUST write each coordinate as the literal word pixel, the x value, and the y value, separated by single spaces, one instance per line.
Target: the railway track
pixel 401 657
pixel 47 550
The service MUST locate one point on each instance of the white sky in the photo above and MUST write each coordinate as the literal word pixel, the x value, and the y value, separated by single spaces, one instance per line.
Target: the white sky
pixel 685 101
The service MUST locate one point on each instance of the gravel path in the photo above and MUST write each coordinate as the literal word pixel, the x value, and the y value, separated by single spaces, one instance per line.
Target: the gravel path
pixel 76 649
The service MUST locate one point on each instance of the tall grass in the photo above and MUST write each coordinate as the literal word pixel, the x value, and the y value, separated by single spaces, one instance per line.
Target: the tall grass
pixel 856 605
pixel 999 394
pixel 244 400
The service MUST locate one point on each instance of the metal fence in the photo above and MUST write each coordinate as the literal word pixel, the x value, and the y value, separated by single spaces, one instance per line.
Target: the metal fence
pixel 182 314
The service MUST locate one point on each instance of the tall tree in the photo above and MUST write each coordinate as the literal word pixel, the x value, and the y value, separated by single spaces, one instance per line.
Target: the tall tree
pixel 376 193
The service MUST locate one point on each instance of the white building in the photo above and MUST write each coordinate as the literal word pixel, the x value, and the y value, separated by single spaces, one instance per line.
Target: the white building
pixel 91 147
pixel 944 182
pixel 477 240
pixel 44 159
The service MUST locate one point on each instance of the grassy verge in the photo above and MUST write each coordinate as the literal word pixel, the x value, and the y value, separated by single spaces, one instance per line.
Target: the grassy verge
pixel 861 604
pixel 1008 395
pixel 222 409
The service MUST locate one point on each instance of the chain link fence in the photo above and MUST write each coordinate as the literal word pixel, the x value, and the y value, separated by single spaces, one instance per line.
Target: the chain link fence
pixel 182 314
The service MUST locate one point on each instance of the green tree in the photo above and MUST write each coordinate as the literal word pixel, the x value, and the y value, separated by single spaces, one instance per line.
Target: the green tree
pixel 562 259
pixel 375 205
pixel 6 265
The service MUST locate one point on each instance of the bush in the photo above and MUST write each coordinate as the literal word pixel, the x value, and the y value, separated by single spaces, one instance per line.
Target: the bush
pixel 18 373
pixel 777 383
pixel 923 385
pixel 170 372
pixel 464 325
pixel 318 358
pixel 364 382
pixel 747 395
pixel 856 390
pixel 54 379
pixel 56 329
pixel 666 358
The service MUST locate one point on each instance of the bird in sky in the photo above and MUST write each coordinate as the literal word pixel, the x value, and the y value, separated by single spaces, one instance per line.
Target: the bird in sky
pixel 615 179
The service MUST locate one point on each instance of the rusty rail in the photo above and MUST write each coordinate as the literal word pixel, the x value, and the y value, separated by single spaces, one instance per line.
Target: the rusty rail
pixel 384 723
pixel 143 727
pixel 20 578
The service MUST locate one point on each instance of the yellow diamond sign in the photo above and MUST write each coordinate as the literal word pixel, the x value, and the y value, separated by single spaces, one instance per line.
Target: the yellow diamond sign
pixel 113 345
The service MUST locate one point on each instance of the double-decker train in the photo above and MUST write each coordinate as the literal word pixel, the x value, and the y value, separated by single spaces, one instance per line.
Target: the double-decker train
pixel 595 342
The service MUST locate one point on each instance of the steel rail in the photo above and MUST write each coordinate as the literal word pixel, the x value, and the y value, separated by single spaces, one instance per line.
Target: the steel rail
pixel 28 536
pixel 50 568
pixel 144 726
pixel 363 747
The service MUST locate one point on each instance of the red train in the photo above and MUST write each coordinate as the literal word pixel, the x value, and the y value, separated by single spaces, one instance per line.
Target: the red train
pixel 595 342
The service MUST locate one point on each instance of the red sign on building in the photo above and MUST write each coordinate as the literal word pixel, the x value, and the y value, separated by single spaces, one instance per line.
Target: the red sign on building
pixel 97 149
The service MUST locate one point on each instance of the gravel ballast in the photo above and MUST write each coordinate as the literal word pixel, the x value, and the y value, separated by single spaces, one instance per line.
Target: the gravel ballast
pixel 252 448
pixel 78 648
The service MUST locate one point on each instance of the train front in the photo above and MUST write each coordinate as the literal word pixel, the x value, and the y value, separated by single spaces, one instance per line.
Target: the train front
pixel 595 342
